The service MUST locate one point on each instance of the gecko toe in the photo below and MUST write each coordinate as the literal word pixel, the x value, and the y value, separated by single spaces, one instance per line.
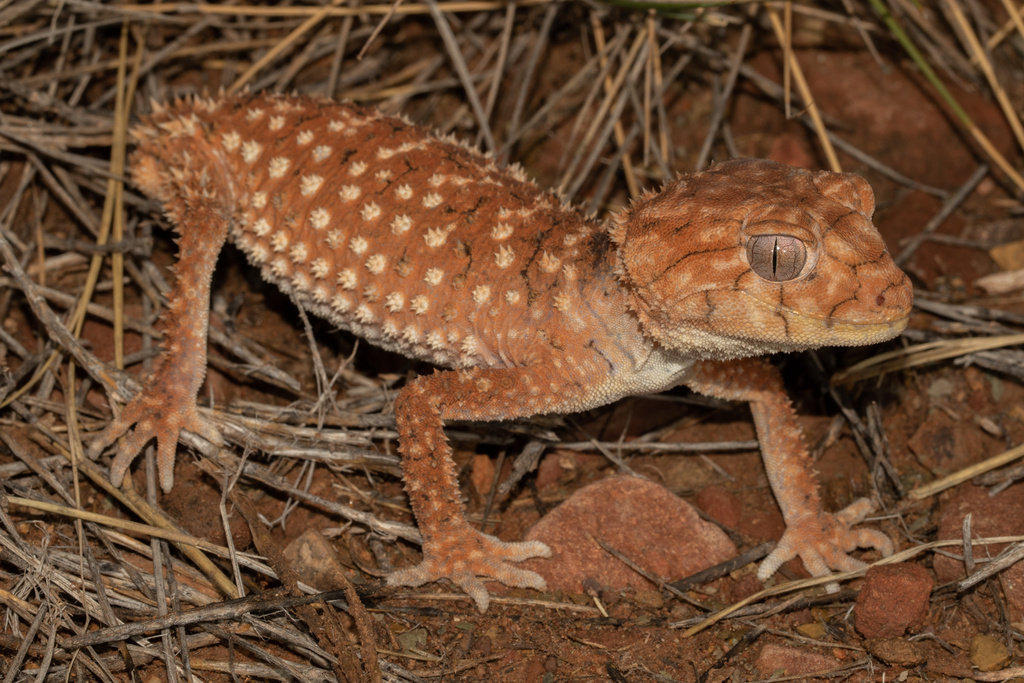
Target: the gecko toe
pixel 778 557
pixel 872 538
pixel 126 453
pixel 198 425
pixel 855 512
pixel 524 550
pixel 474 588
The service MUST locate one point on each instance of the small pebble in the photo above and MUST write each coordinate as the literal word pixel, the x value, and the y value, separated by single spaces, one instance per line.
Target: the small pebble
pixel 988 653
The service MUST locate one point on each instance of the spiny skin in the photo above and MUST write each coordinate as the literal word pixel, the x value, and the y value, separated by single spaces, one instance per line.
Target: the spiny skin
pixel 425 247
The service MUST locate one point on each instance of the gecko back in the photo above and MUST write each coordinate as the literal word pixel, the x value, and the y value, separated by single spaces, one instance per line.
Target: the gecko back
pixel 413 241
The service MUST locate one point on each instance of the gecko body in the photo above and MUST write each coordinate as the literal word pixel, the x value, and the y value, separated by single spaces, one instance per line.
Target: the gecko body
pixel 425 247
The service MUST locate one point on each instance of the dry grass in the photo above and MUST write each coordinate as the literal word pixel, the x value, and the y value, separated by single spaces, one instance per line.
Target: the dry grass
pixel 86 593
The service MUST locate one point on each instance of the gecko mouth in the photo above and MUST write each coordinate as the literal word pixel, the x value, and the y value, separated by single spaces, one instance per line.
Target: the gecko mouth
pixel 823 330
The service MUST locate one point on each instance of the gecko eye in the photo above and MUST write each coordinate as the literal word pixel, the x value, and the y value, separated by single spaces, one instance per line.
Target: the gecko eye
pixel 776 258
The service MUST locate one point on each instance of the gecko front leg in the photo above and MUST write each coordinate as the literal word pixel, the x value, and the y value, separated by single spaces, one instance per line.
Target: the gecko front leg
pixel 452 549
pixel 821 540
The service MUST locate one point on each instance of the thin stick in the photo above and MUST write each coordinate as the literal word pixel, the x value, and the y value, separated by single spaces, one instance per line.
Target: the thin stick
pixel 967 473
pixel 462 69
pixel 805 93
pixel 943 91
pixel 1016 20
pixel 282 45
pixel 286 11
pixel 948 207
pixel 730 82
pixel 620 134
pixel 790 586
pixel 978 53
pixel 116 523
pixel 922 354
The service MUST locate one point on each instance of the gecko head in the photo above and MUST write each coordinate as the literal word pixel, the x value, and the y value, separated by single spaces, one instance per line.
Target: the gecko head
pixel 752 257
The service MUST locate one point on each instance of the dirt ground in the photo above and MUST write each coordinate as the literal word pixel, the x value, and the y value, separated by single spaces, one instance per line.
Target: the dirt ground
pixel 883 437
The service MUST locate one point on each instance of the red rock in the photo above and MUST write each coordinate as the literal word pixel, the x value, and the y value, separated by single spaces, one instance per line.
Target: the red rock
pixel 892 105
pixel 720 505
pixel 314 560
pixel 897 651
pixel 559 467
pixel 1001 515
pixel 549 472
pixel 792 661
pixel 645 521
pixel 946 445
pixel 894 598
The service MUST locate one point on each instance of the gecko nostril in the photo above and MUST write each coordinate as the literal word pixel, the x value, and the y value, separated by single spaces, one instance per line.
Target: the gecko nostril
pixel 880 300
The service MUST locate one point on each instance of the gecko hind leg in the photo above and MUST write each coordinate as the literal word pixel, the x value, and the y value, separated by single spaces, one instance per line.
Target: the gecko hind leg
pixel 167 404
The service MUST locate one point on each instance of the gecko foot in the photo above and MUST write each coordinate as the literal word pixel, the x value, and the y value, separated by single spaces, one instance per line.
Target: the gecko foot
pixel 463 555
pixel 155 414
pixel 823 541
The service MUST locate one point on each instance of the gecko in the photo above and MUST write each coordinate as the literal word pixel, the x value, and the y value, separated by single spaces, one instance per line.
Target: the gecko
pixel 425 246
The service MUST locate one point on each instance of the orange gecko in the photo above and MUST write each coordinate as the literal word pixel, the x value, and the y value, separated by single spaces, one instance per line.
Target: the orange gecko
pixel 426 247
